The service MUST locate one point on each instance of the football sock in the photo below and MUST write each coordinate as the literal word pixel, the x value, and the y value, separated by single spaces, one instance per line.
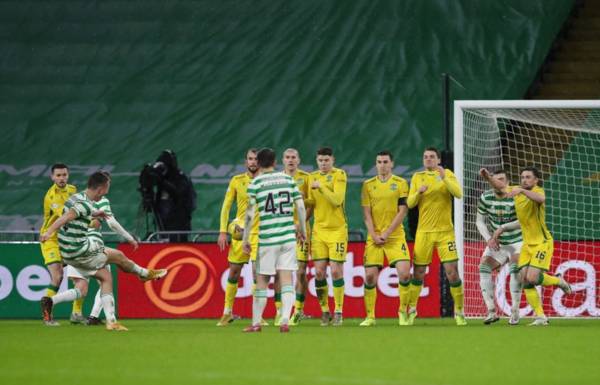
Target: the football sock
pixel 230 292
pixel 108 304
pixel 415 291
pixel 66 296
pixel 549 280
pixel 259 300
pixel 370 299
pixel 403 295
pixel 278 302
pixel 338 294
pixel 140 271
pixel 533 299
pixel 287 299
pixel 78 306
pixel 458 295
pixel 515 287
pixel 51 290
pixel 322 294
pixel 97 308
pixel 299 305
pixel 487 287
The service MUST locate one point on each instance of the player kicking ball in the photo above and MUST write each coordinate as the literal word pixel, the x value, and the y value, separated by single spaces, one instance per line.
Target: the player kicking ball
pixel 275 194
pixel 88 256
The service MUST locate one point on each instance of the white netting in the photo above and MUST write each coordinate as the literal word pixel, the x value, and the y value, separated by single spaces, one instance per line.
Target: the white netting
pixel 564 144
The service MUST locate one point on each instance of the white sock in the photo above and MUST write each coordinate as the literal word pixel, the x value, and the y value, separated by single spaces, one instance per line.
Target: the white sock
pixel 97 308
pixel 287 302
pixel 66 296
pixel 516 287
pixel 226 311
pixel 487 287
pixel 140 270
pixel 108 304
pixel 259 301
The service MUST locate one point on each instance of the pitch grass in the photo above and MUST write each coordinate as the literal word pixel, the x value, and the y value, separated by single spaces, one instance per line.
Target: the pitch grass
pixel 197 352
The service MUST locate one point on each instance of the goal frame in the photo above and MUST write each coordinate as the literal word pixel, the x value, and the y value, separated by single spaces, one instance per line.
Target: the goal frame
pixel 459 106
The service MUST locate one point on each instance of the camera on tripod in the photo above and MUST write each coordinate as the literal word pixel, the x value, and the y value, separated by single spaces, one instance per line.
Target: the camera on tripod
pixel 151 176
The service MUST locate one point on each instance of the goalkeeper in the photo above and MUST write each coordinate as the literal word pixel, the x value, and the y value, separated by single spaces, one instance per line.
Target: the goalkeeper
pixel 498 209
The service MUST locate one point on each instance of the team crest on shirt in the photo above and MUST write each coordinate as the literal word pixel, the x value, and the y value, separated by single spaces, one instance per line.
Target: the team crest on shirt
pixel 329 178
pixel 393 187
pixel 300 182
pixel 54 206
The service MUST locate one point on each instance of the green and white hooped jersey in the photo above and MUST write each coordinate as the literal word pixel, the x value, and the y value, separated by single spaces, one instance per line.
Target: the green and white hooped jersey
pixel 500 211
pixel 104 205
pixel 275 194
pixel 73 237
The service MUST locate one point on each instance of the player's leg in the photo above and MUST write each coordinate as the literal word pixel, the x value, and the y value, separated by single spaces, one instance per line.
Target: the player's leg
pixel 285 266
pixel 127 265
pixel 486 284
pixel 337 257
pixel 423 251
pixel 516 285
pixel 302 253
pixel 53 262
pixel 94 317
pixel 373 262
pixel 301 288
pixel 277 300
pixel 446 248
pixel 235 270
pixel 76 313
pixel 320 256
pixel 108 300
pixel 265 269
pixel 399 258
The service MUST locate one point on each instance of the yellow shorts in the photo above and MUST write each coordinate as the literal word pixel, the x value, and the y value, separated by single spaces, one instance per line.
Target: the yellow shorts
pixel 539 256
pixel 331 247
pixel 237 256
pixel 395 250
pixel 443 241
pixel 51 252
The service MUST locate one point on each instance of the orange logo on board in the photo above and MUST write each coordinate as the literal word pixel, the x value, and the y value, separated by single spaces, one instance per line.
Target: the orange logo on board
pixel 199 290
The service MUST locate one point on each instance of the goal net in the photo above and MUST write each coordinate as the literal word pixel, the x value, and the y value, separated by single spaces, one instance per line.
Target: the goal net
pixel 561 139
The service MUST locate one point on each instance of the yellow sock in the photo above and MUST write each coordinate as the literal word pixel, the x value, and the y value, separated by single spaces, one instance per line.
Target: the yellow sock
pixel 299 305
pixel 338 294
pixel 370 299
pixel 414 292
pixel 533 299
pixel 549 280
pixel 51 291
pixel 322 294
pixel 78 306
pixel 458 295
pixel 403 295
pixel 278 302
pixel 230 292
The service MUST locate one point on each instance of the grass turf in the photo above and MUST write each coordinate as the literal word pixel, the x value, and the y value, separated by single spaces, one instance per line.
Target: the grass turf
pixel 434 351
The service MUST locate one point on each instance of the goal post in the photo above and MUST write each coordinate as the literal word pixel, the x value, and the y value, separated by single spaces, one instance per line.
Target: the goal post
pixel 562 139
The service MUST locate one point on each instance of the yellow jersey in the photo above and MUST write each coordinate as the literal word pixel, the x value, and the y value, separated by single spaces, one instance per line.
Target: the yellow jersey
pixel 54 201
pixel 328 200
pixel 435 204
pixel 301 179
pixel 532 217
pixel 384 198
pixel 237 191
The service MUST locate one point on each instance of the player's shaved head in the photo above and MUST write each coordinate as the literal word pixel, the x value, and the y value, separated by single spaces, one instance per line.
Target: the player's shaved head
pixel 291 151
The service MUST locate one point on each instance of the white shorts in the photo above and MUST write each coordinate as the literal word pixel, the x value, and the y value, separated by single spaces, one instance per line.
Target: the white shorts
pixel 273 258
pixel 89 263
pixel 73 272
pixel 503 254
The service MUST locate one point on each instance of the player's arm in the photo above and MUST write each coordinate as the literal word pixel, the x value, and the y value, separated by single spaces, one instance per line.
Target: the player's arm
pixel 247 226
pixel 337 194
pixel 301 211
pixel 116 227
pixel 60 222
pixel 451 183
pixel 485 174
pixel 506 227
pixel 415 192
pixel 398 219
pixel 365 202
pixel 224 217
